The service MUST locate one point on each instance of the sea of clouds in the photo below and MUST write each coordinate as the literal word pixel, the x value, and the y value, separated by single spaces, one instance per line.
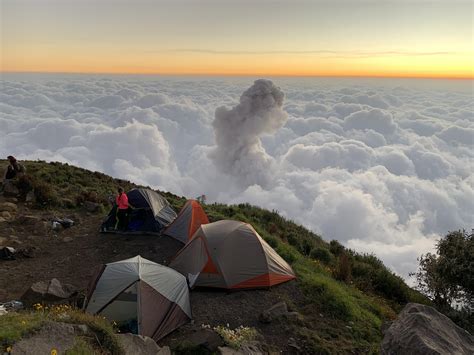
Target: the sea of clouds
pixel 383 166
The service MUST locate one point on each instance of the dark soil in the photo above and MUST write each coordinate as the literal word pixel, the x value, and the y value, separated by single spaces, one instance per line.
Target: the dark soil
pixel 73 262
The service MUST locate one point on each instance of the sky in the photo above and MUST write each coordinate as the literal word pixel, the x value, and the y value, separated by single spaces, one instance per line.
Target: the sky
pixel 396 38
pixel 385 166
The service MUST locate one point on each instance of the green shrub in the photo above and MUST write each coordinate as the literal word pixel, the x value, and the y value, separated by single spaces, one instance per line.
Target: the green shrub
pixel 336 248
pixel 25 184
pixel 361 270
pixel 391 286
pixel 305 246
pixel 343 268
pixel 292 239
pixel 45 195
pixel 287 253
pixel 272 241
pixel 370 259
pixel 321 254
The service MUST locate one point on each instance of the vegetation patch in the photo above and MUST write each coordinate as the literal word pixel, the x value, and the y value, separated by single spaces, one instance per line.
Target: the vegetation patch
pixel 17 325
pixel 235 338
pixel 14 326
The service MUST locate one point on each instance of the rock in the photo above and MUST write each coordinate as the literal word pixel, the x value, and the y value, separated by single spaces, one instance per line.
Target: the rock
pixel 10 190
pixel 247 348
pixel 67 239
pixel 48 292
pixel 68 203
pixel 9 207
pixel 27 252
pixel 14 240
pixel 76 218
pixel 41 227
pixel 27 220
pixel 165 350
pixel 6 215
pixel 11 199
pixel 53 335
pixel 30 197
pixel 81 329
pixel 421 329
pixel 278 310
pixel 91 206
pixel 2 220
pixel 206 339
pixel 3 241
pixel 7 253
pixel 292 316
pixel 385 326
pixel 292 344
pixel 133 344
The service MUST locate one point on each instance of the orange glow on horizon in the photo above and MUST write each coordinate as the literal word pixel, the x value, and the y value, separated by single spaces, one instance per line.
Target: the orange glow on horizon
pixel 255 74
pixel 110 60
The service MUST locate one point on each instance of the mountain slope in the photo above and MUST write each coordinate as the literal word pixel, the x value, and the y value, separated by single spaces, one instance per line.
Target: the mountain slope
pixel 342 297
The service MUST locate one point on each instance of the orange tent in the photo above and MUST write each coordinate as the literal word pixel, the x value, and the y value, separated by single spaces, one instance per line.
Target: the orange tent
pixel 188 221
pixel 230 254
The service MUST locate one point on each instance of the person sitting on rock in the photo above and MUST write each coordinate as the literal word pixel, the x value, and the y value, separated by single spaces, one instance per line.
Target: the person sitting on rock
pixel 14 169
pixel 122 210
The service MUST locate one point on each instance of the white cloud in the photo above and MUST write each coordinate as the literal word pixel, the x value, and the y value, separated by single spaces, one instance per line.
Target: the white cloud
pixel 376 119
pixel 383 169
pixel 107 102
pixel 150 100
pixel 457 135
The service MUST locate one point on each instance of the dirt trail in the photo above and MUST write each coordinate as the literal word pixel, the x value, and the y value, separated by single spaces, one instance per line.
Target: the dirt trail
pixel 72 254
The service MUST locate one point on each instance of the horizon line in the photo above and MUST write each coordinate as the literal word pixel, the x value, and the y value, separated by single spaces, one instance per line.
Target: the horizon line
pixel 381 76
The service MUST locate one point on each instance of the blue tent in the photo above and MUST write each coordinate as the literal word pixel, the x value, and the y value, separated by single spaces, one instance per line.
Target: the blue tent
pixel 149 213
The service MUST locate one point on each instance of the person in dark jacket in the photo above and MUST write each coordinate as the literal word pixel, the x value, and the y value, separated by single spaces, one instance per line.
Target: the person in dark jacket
pixel 14 169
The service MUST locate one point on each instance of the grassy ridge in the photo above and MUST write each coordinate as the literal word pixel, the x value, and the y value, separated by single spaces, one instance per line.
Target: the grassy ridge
pixel 347 295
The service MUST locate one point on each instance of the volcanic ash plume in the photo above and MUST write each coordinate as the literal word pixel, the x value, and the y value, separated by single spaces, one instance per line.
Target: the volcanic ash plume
pixel 239 152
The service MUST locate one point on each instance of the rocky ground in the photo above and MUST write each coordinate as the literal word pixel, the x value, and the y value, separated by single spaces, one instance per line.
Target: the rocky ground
pixel 71 254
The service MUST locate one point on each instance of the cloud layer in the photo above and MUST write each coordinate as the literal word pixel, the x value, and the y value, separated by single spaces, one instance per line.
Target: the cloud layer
pixel 382 166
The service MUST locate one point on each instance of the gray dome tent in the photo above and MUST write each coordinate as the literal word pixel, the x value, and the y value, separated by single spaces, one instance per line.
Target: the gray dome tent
pixel 150 214
pixel 232 255
pixel 148 298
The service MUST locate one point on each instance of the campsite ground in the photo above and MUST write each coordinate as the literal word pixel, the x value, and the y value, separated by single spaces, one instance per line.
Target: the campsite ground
pixel 342 298
pixel 72 254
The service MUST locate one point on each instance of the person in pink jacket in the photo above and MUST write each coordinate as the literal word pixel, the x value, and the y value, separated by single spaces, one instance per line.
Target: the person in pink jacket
pixel 122 210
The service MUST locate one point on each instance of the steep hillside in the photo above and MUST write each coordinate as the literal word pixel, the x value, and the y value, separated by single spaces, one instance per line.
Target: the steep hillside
pixel 342 297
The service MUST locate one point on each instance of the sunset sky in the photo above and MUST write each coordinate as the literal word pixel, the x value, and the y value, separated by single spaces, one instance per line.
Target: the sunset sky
pixel 294 37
